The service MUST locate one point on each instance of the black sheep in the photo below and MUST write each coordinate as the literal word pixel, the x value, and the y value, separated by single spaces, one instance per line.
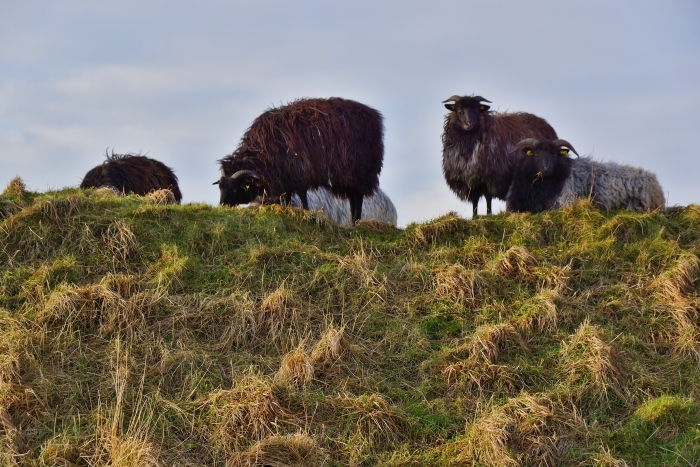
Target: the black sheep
pixel 132 173
pixel 334 143
pixel 546 179
pixel 540 175
pixel 477 145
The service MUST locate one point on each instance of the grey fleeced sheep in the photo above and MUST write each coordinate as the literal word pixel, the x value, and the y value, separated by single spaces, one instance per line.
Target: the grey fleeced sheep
pixel 378 206
pixel 546 178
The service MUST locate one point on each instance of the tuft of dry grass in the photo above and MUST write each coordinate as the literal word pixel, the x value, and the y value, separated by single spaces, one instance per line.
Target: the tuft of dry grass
pixel 16 187
pixel 162 197
pixel 671 290
pixel 377 422
pixel 108 190
pixel 427 233
pixel 458 283
pixel 539 314
pixel 250 411
pixel 296 368
pixel 294 450
pixel 589 360
pixel 329 349
pixel 98 308
pixel 124 432
pixel 604 458
pixel 276 317
pixel 517 262
pixel 480 369
pixel 474 373
pixel 120 241
pixel 526 430
pixel 489 341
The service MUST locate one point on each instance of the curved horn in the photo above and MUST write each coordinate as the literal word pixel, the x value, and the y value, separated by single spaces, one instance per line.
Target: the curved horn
pixel 529 142
pixel 454 98
pixel 481 99
pixel 566 144
pixel 241 173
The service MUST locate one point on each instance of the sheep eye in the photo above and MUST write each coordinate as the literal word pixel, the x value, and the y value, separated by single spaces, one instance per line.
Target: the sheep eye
pixel 563 152
pixel 529 152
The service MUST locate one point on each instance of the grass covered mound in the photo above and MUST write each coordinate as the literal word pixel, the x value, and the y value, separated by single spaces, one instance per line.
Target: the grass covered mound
pixel 136 333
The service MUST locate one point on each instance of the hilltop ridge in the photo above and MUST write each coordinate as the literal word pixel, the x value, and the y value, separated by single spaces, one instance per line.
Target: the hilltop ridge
pixel 137 333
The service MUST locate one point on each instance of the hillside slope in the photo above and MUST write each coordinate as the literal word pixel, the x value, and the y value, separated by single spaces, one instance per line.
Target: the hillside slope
pixel 134 333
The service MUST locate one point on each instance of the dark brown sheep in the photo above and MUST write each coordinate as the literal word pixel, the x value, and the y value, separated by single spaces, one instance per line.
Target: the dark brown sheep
pixel 132 173
pixel 334 143
pixel 477 145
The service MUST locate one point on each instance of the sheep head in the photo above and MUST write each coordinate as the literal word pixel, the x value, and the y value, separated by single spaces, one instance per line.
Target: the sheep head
pixel 467 112
pixel 242 187
pixel 542 157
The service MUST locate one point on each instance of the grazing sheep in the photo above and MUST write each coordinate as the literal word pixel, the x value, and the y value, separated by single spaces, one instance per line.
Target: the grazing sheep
pixel 132 173
pixel 477 145
pixel 377 206
pixel 546 178
pixel 309 143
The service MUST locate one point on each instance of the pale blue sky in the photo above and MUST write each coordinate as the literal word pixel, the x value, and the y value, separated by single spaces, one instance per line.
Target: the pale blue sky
pixel 182 81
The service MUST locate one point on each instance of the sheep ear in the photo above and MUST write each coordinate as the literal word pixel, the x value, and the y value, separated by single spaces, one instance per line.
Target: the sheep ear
pixel 484 107
pixel 450 106
pixel 216 182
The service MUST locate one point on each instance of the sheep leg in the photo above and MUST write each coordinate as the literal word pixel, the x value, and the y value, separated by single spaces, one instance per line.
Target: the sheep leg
pixel 288 199
pixel 488 203
pixel 304 200
pixel 474 196
pixel 356 206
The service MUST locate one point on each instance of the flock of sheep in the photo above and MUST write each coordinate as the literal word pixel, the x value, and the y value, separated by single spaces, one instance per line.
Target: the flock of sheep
pixel 327 154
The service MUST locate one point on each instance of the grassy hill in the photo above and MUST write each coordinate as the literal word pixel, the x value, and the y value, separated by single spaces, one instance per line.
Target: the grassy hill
pixel 139 334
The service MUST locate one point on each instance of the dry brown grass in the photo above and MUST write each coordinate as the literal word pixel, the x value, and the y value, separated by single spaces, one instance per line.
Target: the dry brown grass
pixel 458 283
pixel 604 458
pixel 162 197
pixel 277 317
pixel 427 233
pixel 489 341
pixel 539 314
pixel 590 361
pixel 250 411
pixel 108 190
pixel 517 262
pixel 295 450
pixel 296 368
pixel 673 290
pixel 526 430
pixel 120 241
pixel 377 422
pixel 478 368
pixel 124 431
pixel 16 187
pixel 475 374
pixel 362 263
pixel 99 308
pixel 331 347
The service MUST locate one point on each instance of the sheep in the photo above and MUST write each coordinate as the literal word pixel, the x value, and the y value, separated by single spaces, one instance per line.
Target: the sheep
pixel 477 145
pixel 546 178
pixel 132 173
pixel 335 143
pixel 377 206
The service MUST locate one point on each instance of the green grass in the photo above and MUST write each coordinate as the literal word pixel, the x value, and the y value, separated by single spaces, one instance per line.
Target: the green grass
pixel 137 333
